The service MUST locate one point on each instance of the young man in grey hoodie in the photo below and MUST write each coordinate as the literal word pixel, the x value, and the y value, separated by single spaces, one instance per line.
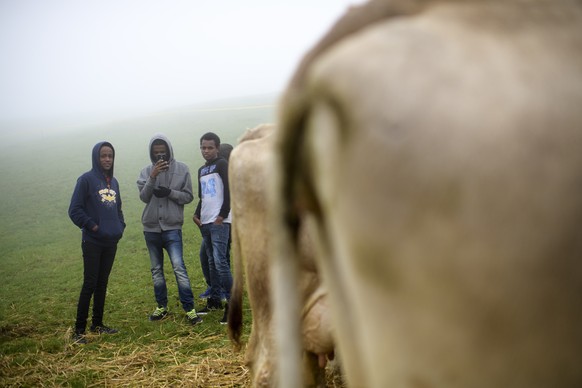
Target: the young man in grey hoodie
pixel 165 186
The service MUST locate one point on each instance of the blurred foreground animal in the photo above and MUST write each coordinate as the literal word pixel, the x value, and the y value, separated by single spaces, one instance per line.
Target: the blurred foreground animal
pixel 250 171
pixel 438 144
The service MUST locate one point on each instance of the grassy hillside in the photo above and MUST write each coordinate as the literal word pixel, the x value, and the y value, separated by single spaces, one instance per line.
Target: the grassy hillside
pixel 41 264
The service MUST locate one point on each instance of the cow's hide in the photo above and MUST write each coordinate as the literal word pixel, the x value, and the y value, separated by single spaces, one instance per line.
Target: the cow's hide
pixel 249 173
pixel 438 144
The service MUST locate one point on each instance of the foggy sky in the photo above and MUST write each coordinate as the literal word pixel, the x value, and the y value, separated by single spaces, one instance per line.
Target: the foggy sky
pixel 64 58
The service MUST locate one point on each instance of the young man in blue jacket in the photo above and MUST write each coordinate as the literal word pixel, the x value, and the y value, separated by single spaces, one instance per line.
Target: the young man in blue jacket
pixel 224 151
pixel 96 209
pixel 212 215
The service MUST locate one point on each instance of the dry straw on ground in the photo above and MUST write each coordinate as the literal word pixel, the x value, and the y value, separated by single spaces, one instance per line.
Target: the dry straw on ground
pixel 155 365
pixel 162 363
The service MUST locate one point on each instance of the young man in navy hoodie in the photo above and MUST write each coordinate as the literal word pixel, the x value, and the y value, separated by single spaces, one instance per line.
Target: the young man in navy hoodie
pixel 96 209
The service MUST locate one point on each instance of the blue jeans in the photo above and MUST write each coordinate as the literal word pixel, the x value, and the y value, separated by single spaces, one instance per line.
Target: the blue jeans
pixel 204 260
pixel 97 264
pixel 171 241
pixel 215 239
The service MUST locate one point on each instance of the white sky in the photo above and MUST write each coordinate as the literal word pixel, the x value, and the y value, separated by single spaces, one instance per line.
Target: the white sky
pixel 63 58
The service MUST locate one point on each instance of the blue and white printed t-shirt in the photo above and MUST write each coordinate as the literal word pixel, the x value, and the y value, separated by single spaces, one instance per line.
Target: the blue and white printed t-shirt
pixel 214 191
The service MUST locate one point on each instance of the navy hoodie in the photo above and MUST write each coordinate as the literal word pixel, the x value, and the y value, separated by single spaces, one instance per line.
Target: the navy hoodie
pixel 97 202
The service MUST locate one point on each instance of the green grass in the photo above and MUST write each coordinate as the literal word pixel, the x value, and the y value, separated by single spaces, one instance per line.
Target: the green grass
pixel 41 264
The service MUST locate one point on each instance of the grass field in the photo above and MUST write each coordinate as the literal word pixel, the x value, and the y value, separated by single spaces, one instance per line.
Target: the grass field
pixel 41 264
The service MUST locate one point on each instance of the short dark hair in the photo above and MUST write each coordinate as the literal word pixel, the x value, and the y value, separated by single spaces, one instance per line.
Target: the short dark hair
pixel 225 150
pixel 211 136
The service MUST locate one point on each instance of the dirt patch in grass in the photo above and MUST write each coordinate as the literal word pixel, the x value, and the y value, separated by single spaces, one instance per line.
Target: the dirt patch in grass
pixel 15 331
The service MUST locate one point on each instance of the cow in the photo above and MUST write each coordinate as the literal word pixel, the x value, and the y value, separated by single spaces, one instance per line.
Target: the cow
pixel 438 147
pixel 249 171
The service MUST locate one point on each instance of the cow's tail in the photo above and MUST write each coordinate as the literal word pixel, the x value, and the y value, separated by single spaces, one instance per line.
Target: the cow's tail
pixel 235 308
pixel 286 225
pixel 285 296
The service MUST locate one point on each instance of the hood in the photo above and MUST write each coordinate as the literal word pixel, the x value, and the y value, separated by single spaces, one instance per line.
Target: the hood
pixel 163 137
pixel 95 157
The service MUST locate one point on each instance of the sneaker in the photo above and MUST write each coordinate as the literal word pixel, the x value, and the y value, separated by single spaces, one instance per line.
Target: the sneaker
pixel 224 319
pixel 210 306
pixel 79 338
pixel 159 314
pixel 193 317
pixel 205 294
pixel 102 329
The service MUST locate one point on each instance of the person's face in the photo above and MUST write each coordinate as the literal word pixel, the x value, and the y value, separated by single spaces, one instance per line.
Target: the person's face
pixel 209 149
pixel 106 158
pixel 159 149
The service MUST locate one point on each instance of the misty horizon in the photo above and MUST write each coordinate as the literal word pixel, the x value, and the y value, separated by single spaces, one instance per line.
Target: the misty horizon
pixel 65 60
pixel 112 114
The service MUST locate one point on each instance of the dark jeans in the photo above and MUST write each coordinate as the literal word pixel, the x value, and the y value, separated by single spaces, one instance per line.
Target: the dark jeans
pixel 204 263
pixel 215 238
pixel 97 264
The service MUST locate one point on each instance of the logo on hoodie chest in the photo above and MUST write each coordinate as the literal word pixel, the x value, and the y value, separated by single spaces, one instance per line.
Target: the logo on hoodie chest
pixel 108 196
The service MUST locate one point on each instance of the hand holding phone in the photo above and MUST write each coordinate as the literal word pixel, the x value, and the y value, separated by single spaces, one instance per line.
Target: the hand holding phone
pixel 162 162
pixel 161 165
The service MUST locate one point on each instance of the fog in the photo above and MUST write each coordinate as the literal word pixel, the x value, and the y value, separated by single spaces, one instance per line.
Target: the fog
pixel 71 59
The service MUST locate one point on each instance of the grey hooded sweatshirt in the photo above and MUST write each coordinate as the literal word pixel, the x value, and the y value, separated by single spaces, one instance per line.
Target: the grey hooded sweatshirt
pixel 161 214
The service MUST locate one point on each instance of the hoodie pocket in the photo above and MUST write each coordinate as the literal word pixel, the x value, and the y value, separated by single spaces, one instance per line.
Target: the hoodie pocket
pixel 110 229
